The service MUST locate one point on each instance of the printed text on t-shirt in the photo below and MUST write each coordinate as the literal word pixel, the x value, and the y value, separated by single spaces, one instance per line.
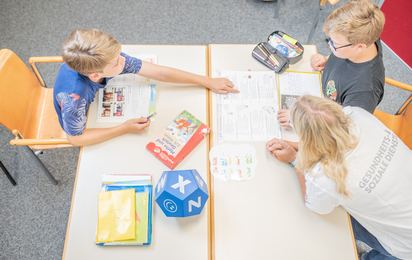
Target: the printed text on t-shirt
pixel 380 162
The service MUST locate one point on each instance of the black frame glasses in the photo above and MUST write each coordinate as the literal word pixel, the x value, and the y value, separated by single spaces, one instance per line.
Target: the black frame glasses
pixel 333 46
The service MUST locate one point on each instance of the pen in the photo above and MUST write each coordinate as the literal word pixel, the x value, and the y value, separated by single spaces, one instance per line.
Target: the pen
pixel 149 117
pixel 260 57
pixel 273 57
pixel 267 55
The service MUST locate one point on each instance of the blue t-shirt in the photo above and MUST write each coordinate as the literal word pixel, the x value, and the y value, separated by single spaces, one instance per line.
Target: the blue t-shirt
pixel 74 92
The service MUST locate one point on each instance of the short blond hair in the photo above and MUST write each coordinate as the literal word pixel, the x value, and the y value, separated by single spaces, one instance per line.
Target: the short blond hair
pixel 90 51
pixel 324 137
pixel 360 21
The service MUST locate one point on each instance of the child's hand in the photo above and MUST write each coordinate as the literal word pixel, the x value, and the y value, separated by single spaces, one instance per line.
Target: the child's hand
pixel 221 86
pixel 287 154
pixel 283 117
pixel 136 125
pixel 281 150
pixel 317 62
pixel 273 145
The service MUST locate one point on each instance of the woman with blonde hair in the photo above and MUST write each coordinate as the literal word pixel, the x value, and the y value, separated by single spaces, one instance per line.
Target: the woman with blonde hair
pixel 347 157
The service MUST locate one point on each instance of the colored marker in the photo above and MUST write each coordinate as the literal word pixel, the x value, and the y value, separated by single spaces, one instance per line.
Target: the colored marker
pixel 264 59
pixel 267 55
pixel 294 47
pixel 271 54
pixel 284 38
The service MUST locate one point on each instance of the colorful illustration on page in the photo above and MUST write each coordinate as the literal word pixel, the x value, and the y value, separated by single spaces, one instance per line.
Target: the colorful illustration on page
pixel 233 162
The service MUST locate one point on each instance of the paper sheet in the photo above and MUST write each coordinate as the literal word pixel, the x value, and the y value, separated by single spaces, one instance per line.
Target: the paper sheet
pixel 295 84
pixel 233 162
pixel 141 183
pixel 116 218
pixel 128 96
pixel 142 215
pixel 249 116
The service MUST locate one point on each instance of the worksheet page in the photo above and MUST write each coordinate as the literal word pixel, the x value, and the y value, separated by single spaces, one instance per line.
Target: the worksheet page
pixel 251 115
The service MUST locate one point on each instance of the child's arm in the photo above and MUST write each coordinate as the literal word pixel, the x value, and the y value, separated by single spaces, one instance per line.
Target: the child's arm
pixel 317 61
pixel 166 74
pixel 97 135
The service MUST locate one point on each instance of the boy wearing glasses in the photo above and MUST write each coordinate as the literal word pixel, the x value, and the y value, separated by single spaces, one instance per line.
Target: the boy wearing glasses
pixel 353 75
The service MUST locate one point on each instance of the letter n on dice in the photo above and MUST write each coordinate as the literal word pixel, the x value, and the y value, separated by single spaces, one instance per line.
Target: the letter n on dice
pixel 181 193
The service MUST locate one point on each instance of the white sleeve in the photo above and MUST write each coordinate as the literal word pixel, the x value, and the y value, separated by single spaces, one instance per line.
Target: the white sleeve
pixel 317 197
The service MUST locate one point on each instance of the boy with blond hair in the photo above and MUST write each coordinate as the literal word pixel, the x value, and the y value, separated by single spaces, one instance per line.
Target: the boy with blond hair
pixel 91 59
pixel 353 75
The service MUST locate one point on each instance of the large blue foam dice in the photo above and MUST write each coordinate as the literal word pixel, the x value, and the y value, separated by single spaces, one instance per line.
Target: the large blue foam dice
pixel 181 193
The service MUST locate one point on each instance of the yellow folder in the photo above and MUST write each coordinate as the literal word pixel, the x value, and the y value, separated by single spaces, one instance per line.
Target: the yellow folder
pixel 116 219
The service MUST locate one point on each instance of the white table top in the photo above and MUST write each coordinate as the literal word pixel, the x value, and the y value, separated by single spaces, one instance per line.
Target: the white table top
pixel 185 238
pixel 265 217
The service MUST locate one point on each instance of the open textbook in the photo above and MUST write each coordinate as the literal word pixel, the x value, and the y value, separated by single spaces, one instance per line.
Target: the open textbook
pixel 251 115
pixel 128 96
pixel 295 84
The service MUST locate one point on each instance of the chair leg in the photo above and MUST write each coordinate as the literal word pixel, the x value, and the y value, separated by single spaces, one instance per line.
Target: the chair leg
pixel 7 174
pixel 277 8
pixel 315 23
pixel 40 164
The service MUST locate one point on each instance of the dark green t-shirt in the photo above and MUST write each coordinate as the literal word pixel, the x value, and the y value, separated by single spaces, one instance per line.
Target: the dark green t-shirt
pixel 355 84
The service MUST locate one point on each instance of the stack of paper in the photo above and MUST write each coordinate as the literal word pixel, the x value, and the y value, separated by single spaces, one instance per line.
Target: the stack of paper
pixel 125 210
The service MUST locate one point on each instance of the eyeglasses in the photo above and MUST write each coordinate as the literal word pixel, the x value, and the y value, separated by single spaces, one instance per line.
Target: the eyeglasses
pixel 290 123
pixel 333 45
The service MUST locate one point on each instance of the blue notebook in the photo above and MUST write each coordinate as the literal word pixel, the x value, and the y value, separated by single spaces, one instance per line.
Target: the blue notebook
pixel 143 196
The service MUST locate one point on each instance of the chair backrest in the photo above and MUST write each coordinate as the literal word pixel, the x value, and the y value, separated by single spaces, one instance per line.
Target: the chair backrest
pixel 406 133
pixel 400 124
pixel 20 93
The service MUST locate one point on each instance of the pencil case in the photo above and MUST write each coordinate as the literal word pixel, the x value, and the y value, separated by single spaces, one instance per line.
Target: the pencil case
pixel 270 57
pixel 287 46
pixel 278 52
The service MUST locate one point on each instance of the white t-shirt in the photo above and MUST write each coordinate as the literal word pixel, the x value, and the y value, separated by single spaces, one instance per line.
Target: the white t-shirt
pixel 379 180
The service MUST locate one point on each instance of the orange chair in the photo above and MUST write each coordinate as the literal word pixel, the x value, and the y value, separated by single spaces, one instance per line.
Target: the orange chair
pixel 26 107
pixel 401 122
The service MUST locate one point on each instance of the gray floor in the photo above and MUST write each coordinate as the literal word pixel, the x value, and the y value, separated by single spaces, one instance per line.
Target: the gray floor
pixel 34 214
